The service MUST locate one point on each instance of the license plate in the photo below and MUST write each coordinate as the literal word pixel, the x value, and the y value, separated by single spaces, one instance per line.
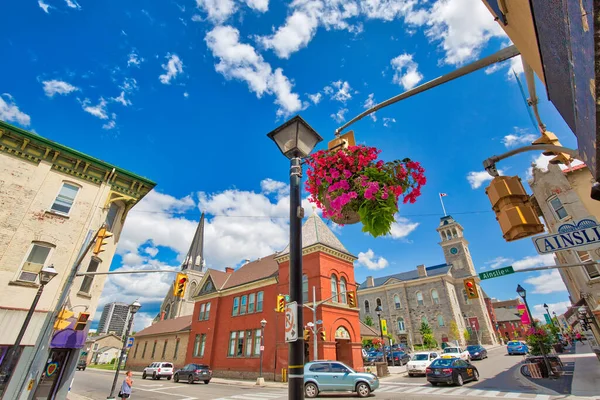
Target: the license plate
pixel 436 372
pixel 203 372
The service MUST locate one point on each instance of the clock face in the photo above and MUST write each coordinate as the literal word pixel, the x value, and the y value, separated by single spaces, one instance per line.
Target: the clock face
pixel 453 250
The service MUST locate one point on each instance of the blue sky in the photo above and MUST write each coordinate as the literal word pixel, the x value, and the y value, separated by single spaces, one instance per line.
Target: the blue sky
pixel 184 93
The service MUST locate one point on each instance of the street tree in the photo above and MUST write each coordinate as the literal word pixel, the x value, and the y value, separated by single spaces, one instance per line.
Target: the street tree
pixel 454 333
pixel 368 321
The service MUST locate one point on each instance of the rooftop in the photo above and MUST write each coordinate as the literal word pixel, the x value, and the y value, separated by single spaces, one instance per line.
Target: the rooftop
pixel 436 270
pixel 167 326
pixel 505 314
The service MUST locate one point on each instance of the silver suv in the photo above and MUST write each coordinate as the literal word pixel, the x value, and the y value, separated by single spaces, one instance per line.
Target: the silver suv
pixel 158 370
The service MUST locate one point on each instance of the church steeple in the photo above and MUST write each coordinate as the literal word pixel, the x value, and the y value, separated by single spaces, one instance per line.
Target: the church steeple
pixel 455 246
pixel 194 259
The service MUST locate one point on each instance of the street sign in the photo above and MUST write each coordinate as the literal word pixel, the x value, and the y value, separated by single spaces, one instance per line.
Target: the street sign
pixel 582 235
pixel 384 326
pixel 497 272
pixel 287 298
pixel 291 322
pixel 262 348
pixel 130 342
pixel 548 321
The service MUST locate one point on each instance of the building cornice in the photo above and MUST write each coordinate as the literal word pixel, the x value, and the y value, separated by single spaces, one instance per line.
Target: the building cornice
pixel 236 289
pixel 319 248
pixel 414 282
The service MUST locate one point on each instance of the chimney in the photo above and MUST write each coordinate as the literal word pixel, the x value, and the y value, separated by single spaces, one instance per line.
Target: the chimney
pixel 422 271
pixel 370 281
pixel 229 270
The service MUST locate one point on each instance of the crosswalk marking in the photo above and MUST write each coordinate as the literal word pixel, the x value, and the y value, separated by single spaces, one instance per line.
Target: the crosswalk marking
pixel 394 387
pixel 491 393
pixel 254 396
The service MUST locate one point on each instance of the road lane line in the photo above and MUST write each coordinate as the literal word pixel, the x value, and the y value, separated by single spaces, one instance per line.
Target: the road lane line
pixel 460 391
pixel 474 392
pixel 166 393
pixel 427 390
pixel 542 397
pixel 169 388
pixel 491 393
pixel 412 390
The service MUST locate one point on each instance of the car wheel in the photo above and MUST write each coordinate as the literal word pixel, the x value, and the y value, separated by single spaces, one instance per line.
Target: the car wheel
pixel 311 390
pixel 411 375
pixel 83 369
pixel 190 379
pixel 144 375
pixel 459 380
pixel 206 382
pixel 176 378
pixel 475 375
pixel 433 383
pixel 154 375
pixel 169 377
pixel 363 389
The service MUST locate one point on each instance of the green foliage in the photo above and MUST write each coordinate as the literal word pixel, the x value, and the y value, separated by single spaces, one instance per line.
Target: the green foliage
pixel 537 338
pixel 467 334
pixel 454 333
pixel 425 329
pixel 369 321
pixel 429 341
pixel 367 343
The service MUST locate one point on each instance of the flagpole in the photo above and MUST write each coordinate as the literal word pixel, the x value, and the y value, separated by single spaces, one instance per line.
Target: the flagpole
pixel 443 208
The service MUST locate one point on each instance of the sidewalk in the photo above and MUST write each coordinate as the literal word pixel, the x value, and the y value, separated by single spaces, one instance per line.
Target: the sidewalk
pixel 586 377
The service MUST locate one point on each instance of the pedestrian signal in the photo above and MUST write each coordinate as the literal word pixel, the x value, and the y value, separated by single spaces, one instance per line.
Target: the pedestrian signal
pixel 280 303
pixel 180 284
pixel 471 288
pixel 82 320
pixel 352 299
pixel 102 235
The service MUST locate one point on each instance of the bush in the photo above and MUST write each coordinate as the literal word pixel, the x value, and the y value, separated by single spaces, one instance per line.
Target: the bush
pixel 429 341
pixel 538 337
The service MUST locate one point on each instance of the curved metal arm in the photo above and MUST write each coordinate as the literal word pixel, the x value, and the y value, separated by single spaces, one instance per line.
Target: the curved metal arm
pixel 490 163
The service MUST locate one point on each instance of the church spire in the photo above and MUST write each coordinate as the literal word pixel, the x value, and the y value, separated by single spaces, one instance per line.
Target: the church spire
pixel 195 257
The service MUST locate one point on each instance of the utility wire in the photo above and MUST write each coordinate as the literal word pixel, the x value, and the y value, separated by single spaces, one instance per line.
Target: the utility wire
pixel 287 217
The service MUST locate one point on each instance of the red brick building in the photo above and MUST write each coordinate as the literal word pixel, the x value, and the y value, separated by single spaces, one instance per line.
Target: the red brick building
pixel 509 324
pixel 226 325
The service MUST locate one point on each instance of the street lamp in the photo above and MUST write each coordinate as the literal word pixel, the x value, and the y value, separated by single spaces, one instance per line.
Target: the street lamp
pixel 378 310
pixel 45 276
pixel 523 293
pixel 263 323
pixel 296 139
pixel 133 308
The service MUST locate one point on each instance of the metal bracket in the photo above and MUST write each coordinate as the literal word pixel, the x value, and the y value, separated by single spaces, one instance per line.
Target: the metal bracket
pixel 490 163
pixel 300 212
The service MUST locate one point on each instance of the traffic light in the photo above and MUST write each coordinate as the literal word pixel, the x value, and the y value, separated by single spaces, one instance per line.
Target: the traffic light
pixel 100 237
pixel 307 334
pixel 280 303
pixel 343 141
pixel 352 299
pixel 62 320
pixel 322 334
pixel 513 208
pixel 180 284
pixel 82 320
pixel 550 138
pixel 471 288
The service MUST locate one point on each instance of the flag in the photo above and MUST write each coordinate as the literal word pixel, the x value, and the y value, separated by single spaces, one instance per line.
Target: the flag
pixel 443 195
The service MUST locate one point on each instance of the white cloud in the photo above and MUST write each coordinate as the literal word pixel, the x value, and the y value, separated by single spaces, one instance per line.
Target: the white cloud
pixel 142 320
pixel 343 92
pixel 519 137
pixel 405 71
pixel 371 261
pixel 218 10
pixel 121 99
pixel 402 228
pixel 172 68
pixel 129 85
pixel 258 5
pixel 73 4
pixel 498 262
pixel 152 251
pixel 9 111
pixel 186 94
pixel 134 59
pixel 516 65
pixel 559 308
pixel 340 115
pixel 241 61
pixel 112 123
pixel 296 33
pixel 54 86
pixel 315 98
pixel 269 186
pixel 478 178
pixel 44 6
pixel 547 282
pixel 98 110
pixel 534 261
pixel 388 121
pixel 369 103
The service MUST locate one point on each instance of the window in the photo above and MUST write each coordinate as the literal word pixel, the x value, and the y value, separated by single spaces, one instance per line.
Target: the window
pixel 367 306
pixel 248 343
pixel 36 259
pixel 321 367
pixel 202 310
pixel 243 305
pixel 111 216
pixel 96 346
pixel 86 284
pixel 558 207
pixel 135 351
pixel 232 344
pixel 378 301
pixel 397 302
pixel 420 301
pixel 164 350
pixel 401 326
pixel 257 341
pixel 251 301
pixel 65 199
pixel 434 297
pixel 207 312
pixel 144 351
pixel 197 345
pixel 592 270
pixel 167 312
pixel 259 297
pixel 240 344
pixel 343 296
pixel 153 350
pixel 338 368
pixel 176 349
pixel 424 320
pixel 334 288
pixel 304 289
pixel 440 320
pixel 236 306
pixel 465 297
pixel 202 345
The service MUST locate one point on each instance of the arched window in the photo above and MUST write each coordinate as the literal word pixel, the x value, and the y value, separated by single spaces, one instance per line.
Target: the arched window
pixel 443 235
pixel 454 234
pixel 173 310
pixel 401 327
pixel 334 288
pixel 343 297
pixel 192 290
pixel 434 297
pixel 167 312
pixel 304 289
pixel 397 302
pixel 440 320
pixel 367 306
pixel 378 302
pixel 420 301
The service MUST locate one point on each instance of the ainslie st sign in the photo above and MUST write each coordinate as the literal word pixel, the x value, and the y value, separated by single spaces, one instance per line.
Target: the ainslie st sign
pixel 581 235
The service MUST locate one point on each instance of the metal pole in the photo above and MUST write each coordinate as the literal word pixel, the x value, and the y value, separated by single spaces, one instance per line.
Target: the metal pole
pixel 123 350
pixel 542 348
pixel 296 349
pixel 315 329
pixel 5 374
pixel 262 341
pixel 381 335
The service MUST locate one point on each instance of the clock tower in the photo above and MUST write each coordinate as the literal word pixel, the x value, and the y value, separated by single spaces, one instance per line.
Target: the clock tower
pixel 456 247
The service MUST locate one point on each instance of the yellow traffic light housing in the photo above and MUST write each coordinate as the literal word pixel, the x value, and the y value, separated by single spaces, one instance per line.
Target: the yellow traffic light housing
pixel 307 334
pixel 62 320
pixel 180 285
pixel 323 336
pixel 513 208
pixel 471 288
pixel 343 141
pixel 102 235
pixel 352 299
pixel 550 138
pixel 82 321
pixel 280 307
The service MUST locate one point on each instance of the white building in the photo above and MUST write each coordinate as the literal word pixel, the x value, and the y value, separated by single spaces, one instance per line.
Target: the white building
pixel 114 318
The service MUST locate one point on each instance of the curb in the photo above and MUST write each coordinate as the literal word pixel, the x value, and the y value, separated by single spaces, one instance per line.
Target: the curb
pixel 75 396
pixel 538 388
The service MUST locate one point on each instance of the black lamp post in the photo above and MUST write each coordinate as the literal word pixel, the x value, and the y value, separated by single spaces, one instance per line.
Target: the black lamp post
pixel 133 308
pixel 263 323
pixel 45 275
pixel 523 293
pixel 378 310
pixel 296 139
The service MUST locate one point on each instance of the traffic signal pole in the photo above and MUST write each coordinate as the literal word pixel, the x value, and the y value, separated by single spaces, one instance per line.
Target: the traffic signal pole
pixel 490 163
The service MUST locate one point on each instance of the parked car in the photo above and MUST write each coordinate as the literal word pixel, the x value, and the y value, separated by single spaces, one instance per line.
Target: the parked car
pixel 400 347
pixel 81 365
pixel 516 347
pixel 335 376
pixel 192 373
pixel 375 356
pixel 158 370
pixel 420 361
pixel 398 357
pixel 458 352
pixel 477 352
pixel 451 370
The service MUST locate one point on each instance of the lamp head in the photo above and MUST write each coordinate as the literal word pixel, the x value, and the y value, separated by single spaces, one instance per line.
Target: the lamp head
pixel 521 292
pixel 47 274
pixel 295 138
pixel 134 307
pixel 263 323
pixel 378 310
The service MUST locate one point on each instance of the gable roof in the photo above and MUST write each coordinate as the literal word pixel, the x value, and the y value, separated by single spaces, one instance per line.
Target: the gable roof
pixel 436 270
pixel 366 330
pixel 219 278
pixel 167 326
pixel 256 270
pixel 103 349
pixel 92 339
pixel 505 314
pixel 315 231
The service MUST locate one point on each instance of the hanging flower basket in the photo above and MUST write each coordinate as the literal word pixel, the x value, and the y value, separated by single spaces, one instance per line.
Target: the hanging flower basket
pixel 351 185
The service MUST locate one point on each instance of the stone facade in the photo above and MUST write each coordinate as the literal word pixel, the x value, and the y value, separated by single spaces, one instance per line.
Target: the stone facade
pixel 433 294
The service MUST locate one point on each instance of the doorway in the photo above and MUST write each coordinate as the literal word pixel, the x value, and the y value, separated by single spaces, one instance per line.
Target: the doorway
pixel 52 374
pixel 343 348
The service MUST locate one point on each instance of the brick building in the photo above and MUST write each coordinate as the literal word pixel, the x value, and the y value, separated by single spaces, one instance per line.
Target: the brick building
pixel 509 324
pixel 242 298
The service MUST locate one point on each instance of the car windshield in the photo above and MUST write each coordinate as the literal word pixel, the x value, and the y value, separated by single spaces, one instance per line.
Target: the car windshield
pixel 167 365
pixel 451 350
pixel 514 343
pixel 201 366
pixel 473 348
pixel 420 357
pixel 442 362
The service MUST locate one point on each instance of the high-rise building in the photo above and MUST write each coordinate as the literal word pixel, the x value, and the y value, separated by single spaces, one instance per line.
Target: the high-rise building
pixel 114 318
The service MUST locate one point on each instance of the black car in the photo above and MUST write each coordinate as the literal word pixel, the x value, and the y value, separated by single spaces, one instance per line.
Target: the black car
pixel 477 352
pixel 400 358
pixel 451 370
pixel 193 372
pixel 81 365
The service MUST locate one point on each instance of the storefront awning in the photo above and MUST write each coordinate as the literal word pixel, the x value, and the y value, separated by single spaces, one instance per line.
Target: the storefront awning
pixel 68 339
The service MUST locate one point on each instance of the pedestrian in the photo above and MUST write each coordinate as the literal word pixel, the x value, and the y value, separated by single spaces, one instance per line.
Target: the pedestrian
pixel 125 392
pixel 578 336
